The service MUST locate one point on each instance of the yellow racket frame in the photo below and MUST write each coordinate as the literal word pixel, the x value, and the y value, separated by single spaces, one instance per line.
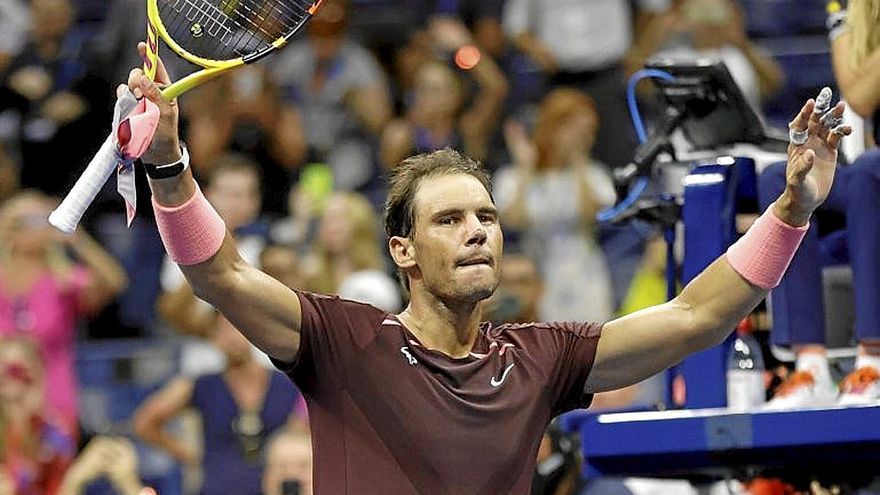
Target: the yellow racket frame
pixel 212 68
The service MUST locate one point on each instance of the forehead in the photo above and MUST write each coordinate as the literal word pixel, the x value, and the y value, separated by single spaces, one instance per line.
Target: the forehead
pixel 452 191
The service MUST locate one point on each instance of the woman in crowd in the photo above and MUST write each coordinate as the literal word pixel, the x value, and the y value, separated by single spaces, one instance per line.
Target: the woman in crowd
pixel 346 254
pixel 43 292
pixel 240 408
pixel 551 196
pixel 437 116
pixel 35 450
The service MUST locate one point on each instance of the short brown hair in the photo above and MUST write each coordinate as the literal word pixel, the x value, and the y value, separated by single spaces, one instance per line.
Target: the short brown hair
pixel 555 109
pixel 404 180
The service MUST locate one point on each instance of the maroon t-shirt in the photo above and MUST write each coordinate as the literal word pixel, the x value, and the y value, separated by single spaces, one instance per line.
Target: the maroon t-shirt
pixel 389 416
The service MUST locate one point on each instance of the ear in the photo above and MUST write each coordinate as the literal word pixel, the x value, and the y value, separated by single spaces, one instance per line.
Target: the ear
pixel 402 252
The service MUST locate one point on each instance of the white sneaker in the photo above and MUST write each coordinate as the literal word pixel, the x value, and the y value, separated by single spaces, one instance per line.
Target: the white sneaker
pixel 801 391
pixel 861 387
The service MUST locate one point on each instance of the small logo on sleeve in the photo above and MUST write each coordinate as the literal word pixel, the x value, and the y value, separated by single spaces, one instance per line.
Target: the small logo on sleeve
pixel 409 357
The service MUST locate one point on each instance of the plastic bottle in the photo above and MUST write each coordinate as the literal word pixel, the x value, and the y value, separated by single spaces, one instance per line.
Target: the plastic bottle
pixel 745 371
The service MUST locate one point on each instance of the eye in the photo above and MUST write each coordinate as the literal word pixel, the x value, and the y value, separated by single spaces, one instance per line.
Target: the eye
pixel 446 220
pixel 486 217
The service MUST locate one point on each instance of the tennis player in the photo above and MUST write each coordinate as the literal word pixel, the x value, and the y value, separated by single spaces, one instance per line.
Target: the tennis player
pixel 433 400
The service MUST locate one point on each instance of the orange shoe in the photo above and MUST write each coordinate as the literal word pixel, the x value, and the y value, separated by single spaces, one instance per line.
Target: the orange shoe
pixel 861 387
pixel 801 391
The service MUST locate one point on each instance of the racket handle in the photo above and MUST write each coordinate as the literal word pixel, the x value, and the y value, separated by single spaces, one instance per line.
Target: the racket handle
pixel 68 214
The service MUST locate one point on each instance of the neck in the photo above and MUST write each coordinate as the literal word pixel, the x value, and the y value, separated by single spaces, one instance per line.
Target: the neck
pixel 567 158
pixel 448 327
pixel 248 366
pixel 17 417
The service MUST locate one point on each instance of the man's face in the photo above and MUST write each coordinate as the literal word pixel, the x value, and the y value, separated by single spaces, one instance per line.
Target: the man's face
pixel 457 240
pixel 236 196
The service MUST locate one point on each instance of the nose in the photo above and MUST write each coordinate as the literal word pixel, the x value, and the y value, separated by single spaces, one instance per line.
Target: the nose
pixel 476 231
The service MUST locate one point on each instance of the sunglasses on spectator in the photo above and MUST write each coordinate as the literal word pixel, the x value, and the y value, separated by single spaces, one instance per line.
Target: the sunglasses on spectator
pixel 17 372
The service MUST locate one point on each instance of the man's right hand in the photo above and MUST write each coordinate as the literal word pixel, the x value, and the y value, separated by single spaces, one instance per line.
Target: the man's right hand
pixel 165 147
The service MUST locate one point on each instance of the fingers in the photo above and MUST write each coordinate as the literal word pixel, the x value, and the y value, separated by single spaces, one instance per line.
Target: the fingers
pixel 834 117
pixel 801 120
pixel 837 134
pixel 137 82
pixel 823 101
pixel 142 86
pixel 162 77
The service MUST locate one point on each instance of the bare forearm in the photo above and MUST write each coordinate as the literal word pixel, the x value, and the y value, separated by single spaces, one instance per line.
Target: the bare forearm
pixel 720 297
pixel 859 85
pixel 770 75
pixel 479 120
pixel 589 204
pixel 534 49
pixel 108 273
pixel 372 107
pixel 516 213
pixel 159 438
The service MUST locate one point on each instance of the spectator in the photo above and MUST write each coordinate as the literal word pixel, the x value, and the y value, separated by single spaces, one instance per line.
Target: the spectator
pixel 551 196
pixel 112 458
pixel 8 175
pixel 483 19
pixel 798 312
pixel 48 88
pixel 43 293
pixel 520 292
pixel 244 114
pixel 341 93
pixel 713 28
pixel 584 44
pixel 288 464
pixel 14 23
pixel 35 450
pixel 282 264
pixel 436 117
pixel 240 408
pixel 348 247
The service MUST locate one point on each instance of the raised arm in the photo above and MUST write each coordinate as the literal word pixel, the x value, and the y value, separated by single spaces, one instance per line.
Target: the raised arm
pixel 264 310
pixel 639 345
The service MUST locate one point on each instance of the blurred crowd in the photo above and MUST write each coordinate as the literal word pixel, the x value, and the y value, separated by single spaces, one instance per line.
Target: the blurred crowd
pixel 292 153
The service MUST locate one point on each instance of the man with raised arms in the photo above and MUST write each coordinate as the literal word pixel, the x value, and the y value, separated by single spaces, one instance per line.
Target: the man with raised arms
pixel 434 400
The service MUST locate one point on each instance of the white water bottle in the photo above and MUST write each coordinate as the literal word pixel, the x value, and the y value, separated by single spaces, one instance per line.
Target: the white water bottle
pixel 745 371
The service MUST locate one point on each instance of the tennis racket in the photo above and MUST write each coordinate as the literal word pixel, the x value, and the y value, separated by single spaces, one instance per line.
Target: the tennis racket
pixel 218 35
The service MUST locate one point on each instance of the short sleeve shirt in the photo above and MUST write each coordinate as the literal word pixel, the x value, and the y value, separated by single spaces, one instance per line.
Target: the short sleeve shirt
pixel 391 416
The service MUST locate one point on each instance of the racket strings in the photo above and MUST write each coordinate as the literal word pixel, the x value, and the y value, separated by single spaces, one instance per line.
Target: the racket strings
pixel 228 29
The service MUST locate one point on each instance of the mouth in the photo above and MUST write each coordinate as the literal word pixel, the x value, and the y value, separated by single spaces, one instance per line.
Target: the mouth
pixel 479 260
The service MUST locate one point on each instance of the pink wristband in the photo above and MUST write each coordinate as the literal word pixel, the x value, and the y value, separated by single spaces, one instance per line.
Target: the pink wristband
pixel 191 232
pixel 763 253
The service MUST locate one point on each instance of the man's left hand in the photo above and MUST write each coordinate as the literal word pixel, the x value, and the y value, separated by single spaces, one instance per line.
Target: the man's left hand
pixel 812 159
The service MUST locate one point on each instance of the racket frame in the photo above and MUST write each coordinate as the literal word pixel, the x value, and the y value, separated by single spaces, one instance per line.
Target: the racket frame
pixel 212 68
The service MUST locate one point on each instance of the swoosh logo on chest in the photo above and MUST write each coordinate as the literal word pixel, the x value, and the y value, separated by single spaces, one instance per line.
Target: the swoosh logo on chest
pixel 498 382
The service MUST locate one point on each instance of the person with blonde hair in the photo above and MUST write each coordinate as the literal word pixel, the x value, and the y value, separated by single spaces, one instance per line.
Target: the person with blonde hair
pixel 346 253
pixel 798 311
pixel 44 292
pixel 551 195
